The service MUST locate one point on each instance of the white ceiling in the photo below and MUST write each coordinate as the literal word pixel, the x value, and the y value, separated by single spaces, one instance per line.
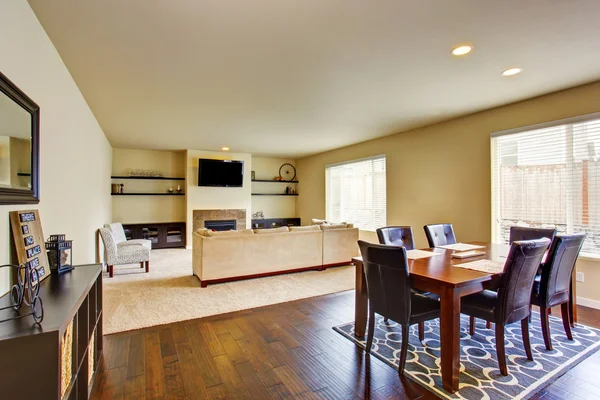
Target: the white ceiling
pixel 297 77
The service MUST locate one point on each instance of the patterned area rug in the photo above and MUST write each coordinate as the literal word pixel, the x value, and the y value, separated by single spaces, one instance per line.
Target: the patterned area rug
pixel 480 377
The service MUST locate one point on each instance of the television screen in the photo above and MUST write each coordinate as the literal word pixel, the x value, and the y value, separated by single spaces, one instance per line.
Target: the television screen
pixel 227 173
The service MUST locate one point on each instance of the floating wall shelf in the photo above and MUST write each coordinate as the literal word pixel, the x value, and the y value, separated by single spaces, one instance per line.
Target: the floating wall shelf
pixel 147 194
pixel 273 181
pixel 274 194
pixel 158 178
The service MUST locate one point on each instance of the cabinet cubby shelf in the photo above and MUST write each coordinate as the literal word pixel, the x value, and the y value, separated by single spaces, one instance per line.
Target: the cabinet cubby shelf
pixel 273 181
pixel 274 194
pixel 147 194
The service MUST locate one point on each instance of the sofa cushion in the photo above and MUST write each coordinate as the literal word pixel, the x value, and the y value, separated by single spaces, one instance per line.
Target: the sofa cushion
pixel 333 226
pixel 117 231
pixel 304 228
pixel 272 230
pixel 210 233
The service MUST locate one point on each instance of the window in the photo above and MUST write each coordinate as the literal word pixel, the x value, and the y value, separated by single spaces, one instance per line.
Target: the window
pixel 548 176
pixel 356 193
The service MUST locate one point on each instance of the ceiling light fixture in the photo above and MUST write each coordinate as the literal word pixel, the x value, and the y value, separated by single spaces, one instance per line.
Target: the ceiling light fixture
pixel 462 50
pixel 225 148
pixel 512 71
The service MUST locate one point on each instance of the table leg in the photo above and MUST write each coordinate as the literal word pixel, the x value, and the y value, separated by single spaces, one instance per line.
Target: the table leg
pixel 450 338
pixel 361 301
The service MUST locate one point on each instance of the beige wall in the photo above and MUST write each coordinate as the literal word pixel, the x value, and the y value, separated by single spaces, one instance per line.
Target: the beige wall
pixel 140 209
pixel 441 173
pixel 272 206
pixel 75 155
pixel 216 198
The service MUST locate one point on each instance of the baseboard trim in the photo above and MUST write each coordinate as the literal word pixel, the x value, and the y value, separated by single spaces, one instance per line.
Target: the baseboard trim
pixel 582 301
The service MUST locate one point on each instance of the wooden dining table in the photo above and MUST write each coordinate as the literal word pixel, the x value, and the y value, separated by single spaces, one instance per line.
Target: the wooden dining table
pixel 437 274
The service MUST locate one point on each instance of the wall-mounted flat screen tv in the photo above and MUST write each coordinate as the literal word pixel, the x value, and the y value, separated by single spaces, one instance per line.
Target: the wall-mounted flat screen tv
pixel 224 173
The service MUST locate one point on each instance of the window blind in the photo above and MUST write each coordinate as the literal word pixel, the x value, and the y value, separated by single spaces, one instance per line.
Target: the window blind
pixel 356 193
pixel 548 176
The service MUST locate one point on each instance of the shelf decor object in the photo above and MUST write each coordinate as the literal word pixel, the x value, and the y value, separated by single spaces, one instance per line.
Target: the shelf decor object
pixel 59 251
pixel 25 291
pixel 29 240
pixel 287 172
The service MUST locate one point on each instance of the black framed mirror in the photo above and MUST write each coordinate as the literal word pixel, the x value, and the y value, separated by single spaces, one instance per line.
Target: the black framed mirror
pixel 19 146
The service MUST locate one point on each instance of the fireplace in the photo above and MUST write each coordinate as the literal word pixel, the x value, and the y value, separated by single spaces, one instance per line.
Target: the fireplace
pixel 201 217
pixel 221 225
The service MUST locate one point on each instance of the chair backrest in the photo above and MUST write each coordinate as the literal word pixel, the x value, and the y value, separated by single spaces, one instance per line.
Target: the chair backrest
pixel 117 231
pixel 525 233
pixel 388 280
pixel 558 268
pixel 439 234
pixel 397 236
pixel 514 289
pixel 110 246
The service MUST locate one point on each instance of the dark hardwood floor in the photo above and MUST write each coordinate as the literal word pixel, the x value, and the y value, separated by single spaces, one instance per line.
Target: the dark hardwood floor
pixel 284 351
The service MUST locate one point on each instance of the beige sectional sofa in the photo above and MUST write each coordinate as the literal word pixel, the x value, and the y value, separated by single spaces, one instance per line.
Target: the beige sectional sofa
pixel 232 255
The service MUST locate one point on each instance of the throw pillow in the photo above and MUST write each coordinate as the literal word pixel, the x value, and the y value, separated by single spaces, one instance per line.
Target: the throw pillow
pixel 318 221
pixel 272 230
pixel 333 226
pixel 230 233
pixel 304 228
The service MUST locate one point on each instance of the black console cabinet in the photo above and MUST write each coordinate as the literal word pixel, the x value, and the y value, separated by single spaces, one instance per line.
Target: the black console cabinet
pixel 57 360
pixel 274 222
pixel 163 235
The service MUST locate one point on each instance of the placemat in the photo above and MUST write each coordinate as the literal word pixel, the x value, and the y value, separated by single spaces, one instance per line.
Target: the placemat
pixel 461 246
pixel 417 254
pixel 490 267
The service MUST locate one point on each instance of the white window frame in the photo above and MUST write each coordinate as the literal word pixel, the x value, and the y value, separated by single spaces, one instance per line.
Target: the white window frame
pixel 357 225
pixel 551 124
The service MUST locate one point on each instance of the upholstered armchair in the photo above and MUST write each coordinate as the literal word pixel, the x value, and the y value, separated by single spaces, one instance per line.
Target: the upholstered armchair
pixel 118 233
pixel 119 255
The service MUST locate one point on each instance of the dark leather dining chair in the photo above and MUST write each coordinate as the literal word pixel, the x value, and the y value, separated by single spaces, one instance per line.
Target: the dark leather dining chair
pixel 439 234
pixel 552 287
pixel 397 236
pixel 511 302
pixel 402 236
pixel 388 290
pixel 525 233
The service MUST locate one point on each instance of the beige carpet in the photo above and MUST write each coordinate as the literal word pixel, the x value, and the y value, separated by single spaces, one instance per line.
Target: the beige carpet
pixel 169 293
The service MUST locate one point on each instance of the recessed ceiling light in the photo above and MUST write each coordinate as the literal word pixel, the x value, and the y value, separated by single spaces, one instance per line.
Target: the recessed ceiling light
pixel 462 50
pixel 512 71
pixel 225 148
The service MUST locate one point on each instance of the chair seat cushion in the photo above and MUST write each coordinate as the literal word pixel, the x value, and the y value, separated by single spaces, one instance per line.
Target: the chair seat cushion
pixel 136 242
pixel 423 308
pixel 480 305
pixel 133 254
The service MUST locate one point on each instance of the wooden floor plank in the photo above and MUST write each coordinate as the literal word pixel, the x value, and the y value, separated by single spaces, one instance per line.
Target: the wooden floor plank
pixel 253 383
pixel 231 379
pixel 136 358
pixel 189 368
pixel 233 351
pixel 154 382
pixel 201 350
